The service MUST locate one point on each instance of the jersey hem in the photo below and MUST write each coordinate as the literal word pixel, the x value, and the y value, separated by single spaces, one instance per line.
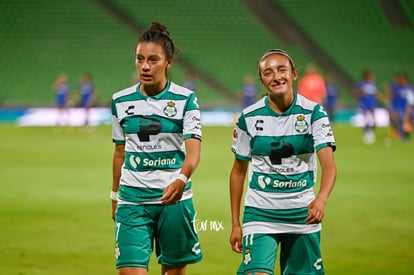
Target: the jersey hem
pixel 279 228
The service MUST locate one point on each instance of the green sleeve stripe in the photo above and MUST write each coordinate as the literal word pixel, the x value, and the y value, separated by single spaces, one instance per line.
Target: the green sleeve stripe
pixel 239 157
pixel 187 136
pixel 118 142
pixel 323 145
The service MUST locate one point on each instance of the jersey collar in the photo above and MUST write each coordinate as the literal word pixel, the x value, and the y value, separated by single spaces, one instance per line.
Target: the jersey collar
pixel 288 111
pixel 157 96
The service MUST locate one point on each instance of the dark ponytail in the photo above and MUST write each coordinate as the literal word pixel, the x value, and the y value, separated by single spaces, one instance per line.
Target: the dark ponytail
pixel 158 33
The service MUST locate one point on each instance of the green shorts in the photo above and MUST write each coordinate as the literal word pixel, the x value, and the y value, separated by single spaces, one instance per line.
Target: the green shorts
pixel 300 254
pixel 138 227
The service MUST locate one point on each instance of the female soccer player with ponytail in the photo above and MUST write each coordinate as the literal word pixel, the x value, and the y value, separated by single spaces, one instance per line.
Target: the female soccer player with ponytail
pixel 157 134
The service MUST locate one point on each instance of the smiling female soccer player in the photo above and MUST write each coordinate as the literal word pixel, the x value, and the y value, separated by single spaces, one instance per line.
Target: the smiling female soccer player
pixel 280 136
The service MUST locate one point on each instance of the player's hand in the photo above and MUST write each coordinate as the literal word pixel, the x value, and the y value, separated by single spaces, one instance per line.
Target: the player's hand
pixel 114 205
pixel 316 211
pixel 172 193
pixel 236 239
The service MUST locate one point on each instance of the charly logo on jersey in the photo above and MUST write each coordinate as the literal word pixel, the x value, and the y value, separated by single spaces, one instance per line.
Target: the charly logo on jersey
pixel 135 161
pixel 170 110
pixel 301 125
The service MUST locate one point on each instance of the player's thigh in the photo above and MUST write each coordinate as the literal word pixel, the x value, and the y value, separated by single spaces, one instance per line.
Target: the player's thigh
pixel 259 254
pixel 176 239
pixel 133 236
pixel 301 254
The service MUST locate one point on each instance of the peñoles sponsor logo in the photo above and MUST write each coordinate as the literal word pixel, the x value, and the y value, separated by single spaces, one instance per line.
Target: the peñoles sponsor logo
pixel 149 147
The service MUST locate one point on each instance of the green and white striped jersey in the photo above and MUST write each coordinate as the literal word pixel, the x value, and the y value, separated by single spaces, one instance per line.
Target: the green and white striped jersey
pixel 282 150
pixel 153 129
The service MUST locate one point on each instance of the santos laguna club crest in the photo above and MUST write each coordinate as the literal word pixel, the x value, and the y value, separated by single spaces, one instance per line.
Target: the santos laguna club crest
pixel 170 109
pixel 301 125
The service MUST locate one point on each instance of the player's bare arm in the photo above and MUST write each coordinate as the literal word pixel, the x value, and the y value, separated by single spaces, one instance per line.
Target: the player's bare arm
pixel 316 210
pixel 117 162
pixel 237 177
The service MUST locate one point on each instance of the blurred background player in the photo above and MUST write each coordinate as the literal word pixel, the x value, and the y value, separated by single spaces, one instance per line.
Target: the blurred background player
pixel 87 95
pixel 312 85
pixel 190 81
pixel 249 91
pixel 397 92
pixel 367 93
pixel 332 93
pixel 409 110
pixel 61 89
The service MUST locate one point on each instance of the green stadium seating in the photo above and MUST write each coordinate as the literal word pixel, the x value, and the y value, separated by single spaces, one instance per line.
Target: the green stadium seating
pixel 357 35
pixel 222 39
pixel 44 38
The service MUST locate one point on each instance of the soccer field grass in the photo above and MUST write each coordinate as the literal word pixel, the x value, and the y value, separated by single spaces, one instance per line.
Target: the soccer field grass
pixel 55 207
